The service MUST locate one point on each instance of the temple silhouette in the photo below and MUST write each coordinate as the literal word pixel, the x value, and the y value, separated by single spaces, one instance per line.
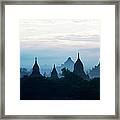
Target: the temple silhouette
pixel 54 73
pixel 78 70
pixel 35 70
pixel 73 85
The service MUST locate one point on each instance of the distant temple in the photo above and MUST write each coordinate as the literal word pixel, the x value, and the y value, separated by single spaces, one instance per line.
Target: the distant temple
pixel 35 70
pixel 95 72
pixel 79 69
pixel 54 73
pixel 69 64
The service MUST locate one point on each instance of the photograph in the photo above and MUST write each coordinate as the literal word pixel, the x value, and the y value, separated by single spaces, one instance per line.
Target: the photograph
pixel 59 59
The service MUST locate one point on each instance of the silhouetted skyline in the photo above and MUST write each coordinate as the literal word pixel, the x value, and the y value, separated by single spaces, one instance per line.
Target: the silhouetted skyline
pixel 77 67
pixel 75 85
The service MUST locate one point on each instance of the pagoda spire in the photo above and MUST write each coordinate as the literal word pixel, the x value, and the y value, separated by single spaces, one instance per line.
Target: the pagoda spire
pixel 54 73
pixel 35 59
pixel 54 66
pixel 79 68
pixel 35 70
pixel 78 56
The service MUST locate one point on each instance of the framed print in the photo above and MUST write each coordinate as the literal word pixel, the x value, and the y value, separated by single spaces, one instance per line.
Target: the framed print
pixel 59 59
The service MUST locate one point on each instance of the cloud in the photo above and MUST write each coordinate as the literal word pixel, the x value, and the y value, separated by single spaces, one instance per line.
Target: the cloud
pixel 38 34
pixel 50 28
pixel 73 37
pixel 69 41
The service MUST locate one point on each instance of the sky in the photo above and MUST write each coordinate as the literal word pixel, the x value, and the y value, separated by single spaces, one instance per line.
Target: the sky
pixel 54 40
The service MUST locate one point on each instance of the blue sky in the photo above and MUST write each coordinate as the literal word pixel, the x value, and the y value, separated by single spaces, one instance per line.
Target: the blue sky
pixel 54 40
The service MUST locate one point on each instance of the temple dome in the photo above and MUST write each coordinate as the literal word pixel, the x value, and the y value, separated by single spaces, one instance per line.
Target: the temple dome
pixel 78 66
pixel 79 69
